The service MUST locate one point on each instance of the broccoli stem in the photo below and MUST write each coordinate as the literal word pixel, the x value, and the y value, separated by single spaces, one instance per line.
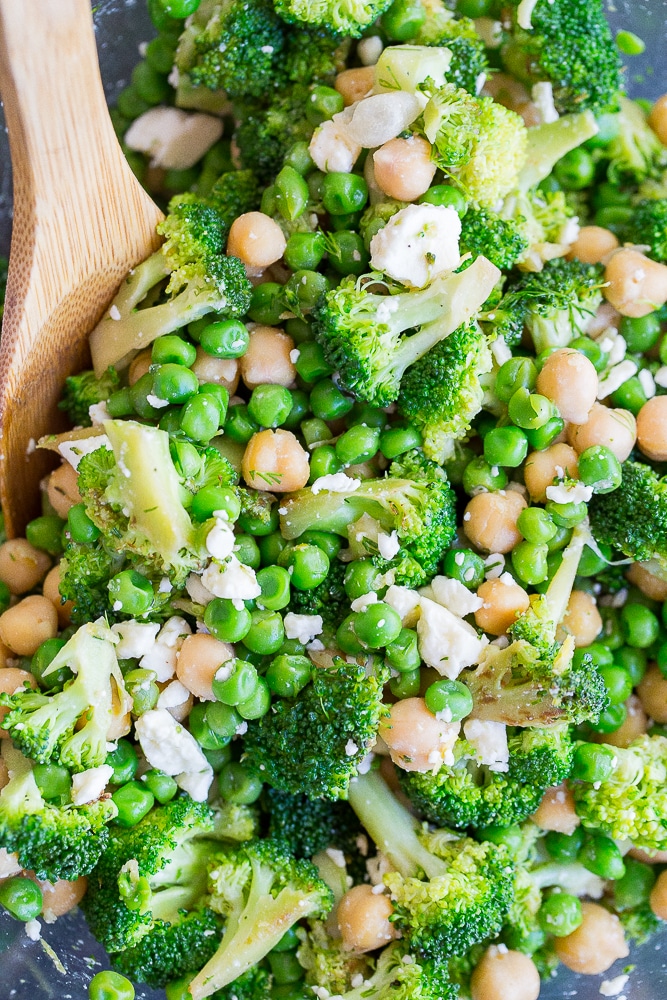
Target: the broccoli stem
pixel 21 794
pixel 549 142
pixel 559 590
pixel 333 511
pixel 392 827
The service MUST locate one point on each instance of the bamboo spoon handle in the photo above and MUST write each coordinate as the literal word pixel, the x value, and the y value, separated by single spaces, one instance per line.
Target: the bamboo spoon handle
pixel 81 221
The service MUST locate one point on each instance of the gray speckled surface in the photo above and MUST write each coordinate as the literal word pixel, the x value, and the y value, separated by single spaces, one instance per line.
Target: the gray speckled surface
pixel 27 971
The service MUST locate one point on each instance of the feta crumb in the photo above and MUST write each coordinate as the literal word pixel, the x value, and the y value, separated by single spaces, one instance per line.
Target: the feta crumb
pixel 405 603
pixel 169 747
pixel 136 638
pixel 500 350
pixel 162 657
pixel 489 740
pixel 388 545
pixel 335 482
pixel 612 987
pixel 173 138
pixel 615 377
pixel 543 98
pixel 495 565
pixel 647 382
pixel 302 627
pixel 351 748
pixel 418 243
pixel 365 765
pixel 294 355
pixel 98 413
pixel 369 51
pixel 33 930
pixel 220 539
pixel 524 13
pixel 197 591
pixel 74 450
pixel 156 402
pixel 87 786
pixel 660 377
pixel 363 602
pixel 173 695
pixel 453 595
pixel 507 579
pixel 446 642
pixel 574 492
pixel 231 579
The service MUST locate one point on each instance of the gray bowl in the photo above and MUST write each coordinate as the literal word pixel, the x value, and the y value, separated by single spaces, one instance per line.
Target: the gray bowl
pixel 61 965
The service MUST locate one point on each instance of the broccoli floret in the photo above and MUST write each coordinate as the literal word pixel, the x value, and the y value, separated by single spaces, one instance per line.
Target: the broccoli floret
pixel 568 43
pixel 333 721
pixel 82 391
pixel 202 279
pixel 535 680
pixel 312 55
pixel 363 333
pixel 631 803
pixel 327 962
pixel 265 133
pixel 340 17
pixel 442 392
pixel 43 725
pixel 261 891
pixel 415 500
pixel 634 153
pixel 398 975
pixel 633 518
pixel 170 950
pixel 500 241
pixel 258 505
pixel 469 64
pixel 448 893
pixel 376 217
pixel 542 219
pixel 234 193
pixel 648 227
pixel 309 825
pixel 328 599
pixel 472 795
pixel 85 571
pixel 55 841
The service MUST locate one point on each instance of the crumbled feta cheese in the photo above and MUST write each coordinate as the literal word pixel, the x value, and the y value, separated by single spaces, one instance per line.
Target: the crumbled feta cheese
pixel 613 344
pixel 454 596
pixel 136 638
pixel 363 602
pixel 231 579
pixel 162 657
pixel 294 355
pixel 98 413
pixel 197 591
pixel 381 117
pixel 500 350
pixel 489 740
pixel 615 377
pixel 156 401
pixel 542 94
pixel 220 539
pixel 74 450
pixel 365 765
pixel 571 492
pixel 446 642
pixel 335 482
pixel 647 382
pixel 9 863
pixel 524 13
pixel 507 579
pixel 302 627
pixel 336 856
pixel 33 930
pixel 405 603
pixel 87 786
pixel 388 545
pixel 369 50
pixel 114 312
pixel 495 565
pixel 173 695
pixel 173 138
pixel 351 748
pixel 660 377
pixel 332 149
pixel 612 987
pixel 418 243
pixel 169 747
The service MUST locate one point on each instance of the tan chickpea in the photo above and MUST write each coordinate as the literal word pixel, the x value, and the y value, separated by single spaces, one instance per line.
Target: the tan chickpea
pixel 416 740
pixel 530 113
pixel 51 590
pixel 633 726
pixel 22 566
pixel 4 773
pixel 267 360
pixel 502 974
pixel 614 428
pixel 570 381
pixel 657 119
pixel 363 919
pixel 121 720
pixel 652 428
pixel 60 897
pixel 592 244
pixel 276 462
pixel 634 284
pixel 653 586
pixel 140 365
pixel 507 91
pixel 652 691
pixel 581 620
pixel 542 467
pixel 198 659
pixel 605 316
pixel 489 521
pixel 12 679
pixel 648 857
pixel 596 944
pixel 62 489
pixel 502 603
pixel 28 624
pixel 354 84
pixel 256 239
pixel 556 811
pixel 404 168
pixel 658 898
pixel 222 371
pixel 5 655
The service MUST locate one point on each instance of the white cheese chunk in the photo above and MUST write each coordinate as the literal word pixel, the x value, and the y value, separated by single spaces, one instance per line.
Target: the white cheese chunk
pixel 89 785
pixel 162 657
pixel 173 695
pixel 454 596
pixel 302 627
pixel 573 492
pixel 418 243
pixel 169 747
pixel 364 601
pixel 173 138
pixel 231 579
pixel 136 638
pixel 489 740
pixel 220 539
pixel 197 591
pixel 405 603
pixel 388 545
pixel 73 451
pixel 335 482
pixel 332 148
pixel 446 642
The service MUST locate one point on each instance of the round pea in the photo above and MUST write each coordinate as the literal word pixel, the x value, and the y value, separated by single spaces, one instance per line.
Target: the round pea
pixel 174 383
pixel 323 462
pixel 225 620
pixel 270 405
pixel 311 364
pixel 172 349
pixel 265 635
pixel 465 566
pixel 343 193
pixel 530 564
pixel 161 785
pixel 396 441
pixel 304 250
pixel 46 533
pixel 634 887
pixel 535 525
pixel 133 801
pixel 618 683
pixel 505 446
pixel 275 585
pixel 640 333
pixel 42 658
pixel 291 192
pixel 640 626
pixel 406 685
pixel 515 373
pixel 21 897
pixel 142 689
pixel 329 543
pixel 541 437
pixel 239 425
pixel 377 625
pixel 560 914
pixel 234 682
pixel 81 528
pixel 480 476
pixel 238 784
pixel 564 847
pixel 592 763
pixel 200 418
pixel 403 653
pixel 358 444
pixel 227 338
pixel 223 720
pixel 307 565
pixel 108 985
pixel 53 781
pixel 347 252
pixel 327 401
pixel 346 637
pixel 288 674
pixel 124 761
pixel 635 661
pixel 451 698
pixel 575 170
pixel 130 592
pixel 601 856
pixel 360 578
pixel 611 719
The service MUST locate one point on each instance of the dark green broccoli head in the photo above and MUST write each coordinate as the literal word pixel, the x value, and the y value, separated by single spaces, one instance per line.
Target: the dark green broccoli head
pixel 339 17
pixel 633 518
pixel 309 825
pixel 469 62
pixel 471 795
pixel 84 390
pixel 333 722
pixel 235 193
pixel 171 950
pixel 648 227
pixel 569 44
pixel 328 599
pixel 312 55
pixel 500 241
pixel 85 571
pixel 265 133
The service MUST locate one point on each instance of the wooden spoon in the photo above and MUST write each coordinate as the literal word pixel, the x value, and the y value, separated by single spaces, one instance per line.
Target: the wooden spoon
pixel 81 221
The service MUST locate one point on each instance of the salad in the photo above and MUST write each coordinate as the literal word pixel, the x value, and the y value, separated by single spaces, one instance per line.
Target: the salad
pixel 336 663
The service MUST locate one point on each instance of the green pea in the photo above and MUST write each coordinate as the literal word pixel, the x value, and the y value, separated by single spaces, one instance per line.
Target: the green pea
pixel 358 444
pixel 227 338
pixel 601 856
pixel 347 252
pixel 613 217
pixel 541 437
pixel 226 621
pixel 465 566
pixel 304 290
pixel 142 689
pixel 266 303
pixel 270 547
pixel 635 661
pixel 505 446
pixel 377 625
pixel 298 156
pixel 403 653
pixel 592 350
pixel 139 393
pixel 323 462
pixel 360 578
pixel 200 728
pixel 53 781
pixel 447 196
pixel 396 441
pixel 307 565
pixel 130 104
pixel 124 761
pixel 560 914
pixel 172 349
pixel 178 989
pixel 266 633
pixel 591 563
pixel 641 333
pixel 630 44
pixel 403 19
pixel 529 560
pixel 311 364
pixel 566 515
pixel 239 785
pixel 119 403
pixel 258 525
pixel 634 887
pixel 343 193
pixel 287 675
pixel 275 584
pixel 535 525
pixel 329 543
pixel 641 627
pixel 346 637
pixel 575 170
pixel 21 897
pixel 291 193
pixel 258 704
pixel 515 373
pixel 452 698
pixel 323 103
pixel 239 425
pixel 110 986
pixel 160 53
pixel 611 719
pixel 530 410
pixel 161 785
pixel 592 762
pixel 612 633
pixel 618 682
pixel 327 401
pixel 481 476
pixel 223 720
pixel 270 405
pixel 598 653
pixel 130 592
pixel 564 847
pixel 46 533
pixel 406 685
pixel 133 801
pixel 42 658
pixel 473 8
pixel 234 682
pixel 200 418
pixel 174 383
pixel 285 968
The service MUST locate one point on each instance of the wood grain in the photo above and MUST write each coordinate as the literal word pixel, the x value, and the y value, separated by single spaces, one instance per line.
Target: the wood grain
pixel 81 221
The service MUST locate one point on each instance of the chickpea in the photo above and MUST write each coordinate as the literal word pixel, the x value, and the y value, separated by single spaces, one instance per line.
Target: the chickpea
pixel 221 371
pixel 542 467
pixel 51 590
pixel 635 284
pixel 22 566
pixel 652 428
pixel 652 691
pixel 28 624
pixel 121 720
pixel 60 897
pixel 354 84
pixel 556 811
pixel 502 603
pixel 275 461
pixel 596 944
pixel 140 365
pixel 570 381
pixel 649 584
pixel 605 316
pixel 582 619
pixel 507 91
pixel 267 360
pixel 502 974
pixel 62 489
pixel 5 655
pixel 363 919
pixel 530 113
pixel 416 740
pixel 198 659
pixel 614 428
pixel 13 679
pixel 4 773
pixel 256 239
pixel 658 897
pixel 404 168
pixel 634 725
pixel 489 521
pixel 648 857
pixel 657 119
pixel 593 244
